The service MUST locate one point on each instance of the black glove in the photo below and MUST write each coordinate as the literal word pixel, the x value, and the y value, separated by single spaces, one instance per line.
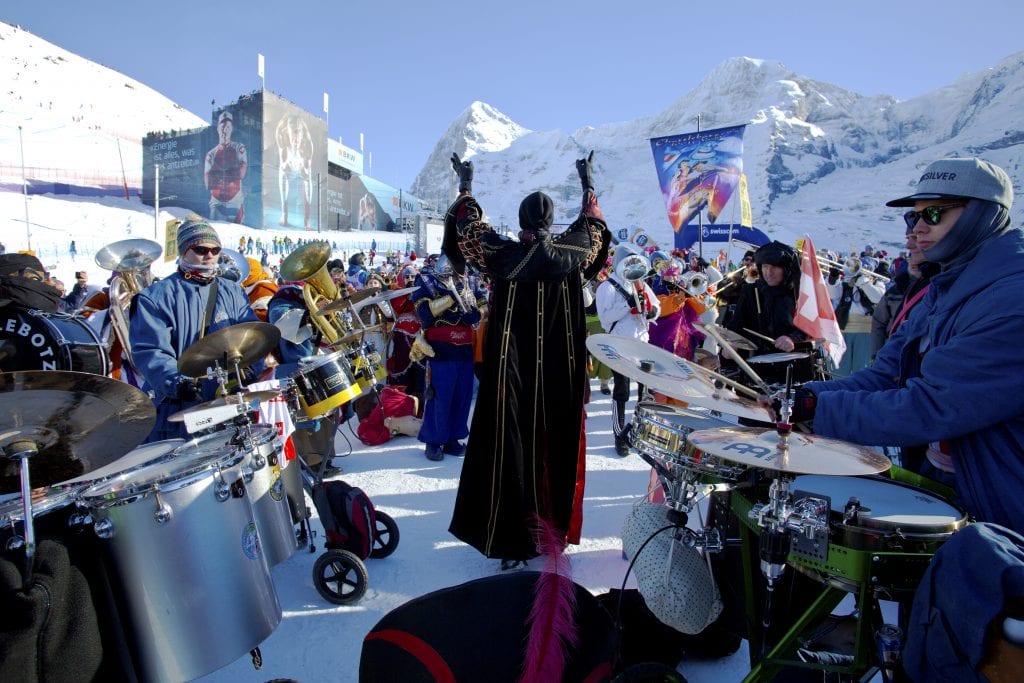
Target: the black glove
pixel 188 390
pixel 585 167
pixel 804 404
pixel 464 169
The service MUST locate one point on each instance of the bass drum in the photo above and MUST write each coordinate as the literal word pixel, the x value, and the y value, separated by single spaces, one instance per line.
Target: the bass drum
pixel 35 340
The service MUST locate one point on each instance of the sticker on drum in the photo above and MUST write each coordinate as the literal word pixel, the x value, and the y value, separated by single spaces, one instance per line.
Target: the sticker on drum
pixel 660 431
pixel 251 541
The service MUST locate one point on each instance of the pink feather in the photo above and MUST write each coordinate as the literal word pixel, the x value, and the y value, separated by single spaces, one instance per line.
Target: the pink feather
pixel 553 613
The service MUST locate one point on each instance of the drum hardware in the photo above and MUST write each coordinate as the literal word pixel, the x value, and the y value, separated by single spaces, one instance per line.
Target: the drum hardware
pixel 236 346
pixel 673 376
pixel 239 404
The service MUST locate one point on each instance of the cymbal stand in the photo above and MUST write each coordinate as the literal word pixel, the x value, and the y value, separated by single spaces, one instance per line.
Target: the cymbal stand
pixel 23 449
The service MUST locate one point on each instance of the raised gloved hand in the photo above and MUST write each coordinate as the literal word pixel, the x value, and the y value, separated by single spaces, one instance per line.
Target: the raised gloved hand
pixel 585 167
pixel 464 169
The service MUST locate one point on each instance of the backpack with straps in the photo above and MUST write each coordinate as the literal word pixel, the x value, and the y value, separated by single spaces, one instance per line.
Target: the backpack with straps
pixel 348 516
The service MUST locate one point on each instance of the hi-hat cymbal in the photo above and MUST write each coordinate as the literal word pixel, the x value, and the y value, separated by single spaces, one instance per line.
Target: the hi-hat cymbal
pixel 243 397
pixel 77 421
pixel 358 334
pixel 386 295
pixel 671 375
pixel 246 342
pixel 777 357
pixel 796 454
pixel 735 339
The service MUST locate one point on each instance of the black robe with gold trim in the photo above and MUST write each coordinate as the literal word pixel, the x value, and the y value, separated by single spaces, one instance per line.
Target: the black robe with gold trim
pixel 525 456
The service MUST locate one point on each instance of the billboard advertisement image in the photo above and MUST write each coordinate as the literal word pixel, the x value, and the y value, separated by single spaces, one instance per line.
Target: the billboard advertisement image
pixel 295 170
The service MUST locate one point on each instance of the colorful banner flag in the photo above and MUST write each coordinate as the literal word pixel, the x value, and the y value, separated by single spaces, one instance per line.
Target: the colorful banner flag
pixel 814 314
pixel 746 215
pixel 698 170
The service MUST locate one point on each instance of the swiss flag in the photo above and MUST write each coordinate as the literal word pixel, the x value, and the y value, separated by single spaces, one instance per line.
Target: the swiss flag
pixel 814 314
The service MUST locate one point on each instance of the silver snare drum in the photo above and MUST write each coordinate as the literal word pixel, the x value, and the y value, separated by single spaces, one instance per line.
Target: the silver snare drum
pixel 183 546
pixel 660 430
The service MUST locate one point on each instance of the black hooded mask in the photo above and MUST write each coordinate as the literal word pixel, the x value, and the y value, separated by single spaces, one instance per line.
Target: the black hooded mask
pixel 536 212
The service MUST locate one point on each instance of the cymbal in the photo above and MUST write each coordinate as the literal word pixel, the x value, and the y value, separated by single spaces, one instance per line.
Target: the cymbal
pixel 385 296
pixel 777 357
pixel 248 342
pixel 78 422
pixel 737 340
pixel 671 375
pixel 358 334
pixel 234 399
pixel 797 454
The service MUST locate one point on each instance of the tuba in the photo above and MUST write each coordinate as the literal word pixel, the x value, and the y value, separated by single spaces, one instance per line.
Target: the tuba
pixel 232 266
pixel 308 264
pixel 130 260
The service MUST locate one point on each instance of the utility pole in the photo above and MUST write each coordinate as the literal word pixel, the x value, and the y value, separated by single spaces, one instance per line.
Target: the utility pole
pixel 156 201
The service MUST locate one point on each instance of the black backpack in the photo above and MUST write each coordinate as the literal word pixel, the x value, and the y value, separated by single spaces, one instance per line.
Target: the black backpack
pixel 348 517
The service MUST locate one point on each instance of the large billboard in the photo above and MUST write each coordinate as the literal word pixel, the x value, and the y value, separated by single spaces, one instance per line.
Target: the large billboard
pixel 338 199
pixel 212 171
pixel 295 178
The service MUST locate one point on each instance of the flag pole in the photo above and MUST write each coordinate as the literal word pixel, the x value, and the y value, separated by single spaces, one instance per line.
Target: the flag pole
pixel 700 217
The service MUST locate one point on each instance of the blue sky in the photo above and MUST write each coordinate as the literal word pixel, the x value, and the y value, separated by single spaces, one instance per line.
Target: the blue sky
pixel 400 72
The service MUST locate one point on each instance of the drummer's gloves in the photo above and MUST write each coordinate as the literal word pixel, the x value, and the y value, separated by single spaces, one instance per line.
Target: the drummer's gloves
pixel 188 389
pixel 464 169
pixel 804 404
pixel 585 169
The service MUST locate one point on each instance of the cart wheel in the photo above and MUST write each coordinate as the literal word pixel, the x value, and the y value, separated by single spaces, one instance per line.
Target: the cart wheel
pixel 340 577
pixel 385 536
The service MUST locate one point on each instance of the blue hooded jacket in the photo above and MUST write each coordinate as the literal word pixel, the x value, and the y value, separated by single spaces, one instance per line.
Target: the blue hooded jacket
pixel 953 371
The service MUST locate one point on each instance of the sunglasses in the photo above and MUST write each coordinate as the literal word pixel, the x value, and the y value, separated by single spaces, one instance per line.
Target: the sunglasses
pixel 203 251
pixel 931 215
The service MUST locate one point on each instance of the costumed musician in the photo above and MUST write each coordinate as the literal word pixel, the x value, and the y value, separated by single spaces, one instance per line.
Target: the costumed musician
pixel 526 453
pixel 173 314
pixel 24 288
pixel 448 313
pixel 680 302
pixel 403 370
pixel 626 305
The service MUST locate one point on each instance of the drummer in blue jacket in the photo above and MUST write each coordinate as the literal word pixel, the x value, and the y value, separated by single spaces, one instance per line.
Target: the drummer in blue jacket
pixel 950 376
pixel 170 315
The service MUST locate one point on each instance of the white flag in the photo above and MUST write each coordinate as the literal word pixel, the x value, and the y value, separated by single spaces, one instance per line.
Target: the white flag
pixel 325 103
pixel 259 65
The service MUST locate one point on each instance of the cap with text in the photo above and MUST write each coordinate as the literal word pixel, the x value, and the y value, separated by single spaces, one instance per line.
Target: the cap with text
pixel 972 178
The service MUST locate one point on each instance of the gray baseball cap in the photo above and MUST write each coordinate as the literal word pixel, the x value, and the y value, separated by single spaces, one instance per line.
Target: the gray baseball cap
pixel 972 178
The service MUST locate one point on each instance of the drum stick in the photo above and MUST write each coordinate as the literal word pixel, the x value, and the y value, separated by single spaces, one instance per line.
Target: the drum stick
pixel 739 361
pixel 758 334
pixel 732 383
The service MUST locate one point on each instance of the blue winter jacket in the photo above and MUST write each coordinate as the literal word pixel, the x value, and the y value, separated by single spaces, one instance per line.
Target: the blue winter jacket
pixel 952 371
pixel 167 319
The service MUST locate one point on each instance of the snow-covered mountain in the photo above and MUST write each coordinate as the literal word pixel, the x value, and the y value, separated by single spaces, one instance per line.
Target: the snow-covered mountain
pixel 819 159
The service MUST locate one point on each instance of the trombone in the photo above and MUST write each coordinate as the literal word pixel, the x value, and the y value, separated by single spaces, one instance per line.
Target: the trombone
pixel 851 267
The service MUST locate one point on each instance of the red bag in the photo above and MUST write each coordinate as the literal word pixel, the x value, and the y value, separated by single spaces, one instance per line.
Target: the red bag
pixel 393 403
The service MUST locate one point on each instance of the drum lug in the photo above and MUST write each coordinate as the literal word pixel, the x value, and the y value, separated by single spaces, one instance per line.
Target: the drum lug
pixel 79 520
pixel 104 528
pixel 163 513
pixel 222 490
pixel 248 473
pixel 258 463
pixel 15 542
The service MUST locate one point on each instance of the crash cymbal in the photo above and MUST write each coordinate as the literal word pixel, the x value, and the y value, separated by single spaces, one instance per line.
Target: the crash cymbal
pixel 735 339
pixel 246 342
pixel 77 421
pixel 777 357
pixel 358 334
pixel 671 375
pixel 243 397
pixel 384 296
pixel 796 454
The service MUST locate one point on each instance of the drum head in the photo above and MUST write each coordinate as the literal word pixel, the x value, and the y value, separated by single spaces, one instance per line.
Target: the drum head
pixel 777 357
pixel 690 417
pixel 191 459
pixel 886 504
pixel 133 460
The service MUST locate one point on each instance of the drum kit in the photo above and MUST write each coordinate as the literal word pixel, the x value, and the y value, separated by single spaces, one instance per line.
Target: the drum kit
pixel 817 505
pixel 188 529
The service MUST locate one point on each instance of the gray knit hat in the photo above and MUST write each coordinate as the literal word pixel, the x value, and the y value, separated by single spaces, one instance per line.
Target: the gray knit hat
pixel 972 178
pixel 193 231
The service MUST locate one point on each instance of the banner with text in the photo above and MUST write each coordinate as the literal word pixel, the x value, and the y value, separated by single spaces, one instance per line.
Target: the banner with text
pixel 697 171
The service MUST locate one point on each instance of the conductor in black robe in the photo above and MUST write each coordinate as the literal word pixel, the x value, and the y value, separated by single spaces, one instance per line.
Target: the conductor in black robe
pixel 525 459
